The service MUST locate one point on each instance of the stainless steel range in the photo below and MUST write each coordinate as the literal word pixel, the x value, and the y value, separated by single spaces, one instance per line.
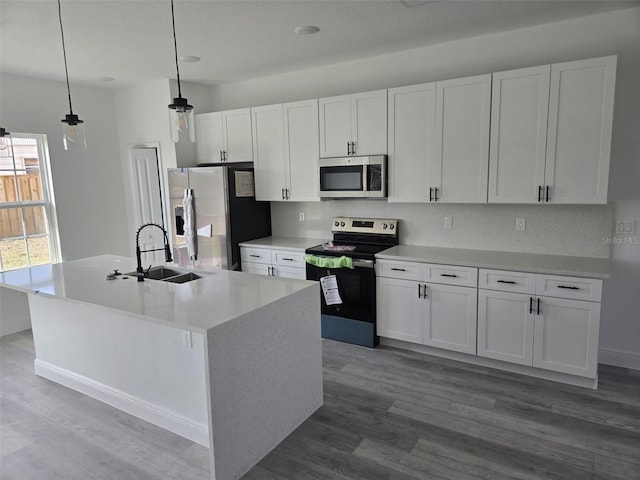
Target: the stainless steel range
pixel 348 285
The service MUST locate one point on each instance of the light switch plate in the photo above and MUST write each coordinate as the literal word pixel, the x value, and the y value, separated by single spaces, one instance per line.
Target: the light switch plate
pixel 301 217
pixel 520 224
pixel 448 222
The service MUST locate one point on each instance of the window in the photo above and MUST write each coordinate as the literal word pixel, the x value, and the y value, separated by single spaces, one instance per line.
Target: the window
pixel 28 230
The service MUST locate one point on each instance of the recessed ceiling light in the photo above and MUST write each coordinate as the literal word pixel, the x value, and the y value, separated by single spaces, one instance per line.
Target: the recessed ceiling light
pixel 189 58
pixel 106 79
pixel 306 30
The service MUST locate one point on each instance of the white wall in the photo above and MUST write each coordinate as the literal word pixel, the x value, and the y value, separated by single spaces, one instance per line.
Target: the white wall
pixel 579 230
pixel 87 185
pixel 14 312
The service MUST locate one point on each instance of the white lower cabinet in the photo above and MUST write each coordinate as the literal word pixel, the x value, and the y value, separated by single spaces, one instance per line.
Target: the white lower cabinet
pixel 566 336
pixel 537 329
pixel 433 314
pixel 514 317
pixel 274 263
pixel 505 326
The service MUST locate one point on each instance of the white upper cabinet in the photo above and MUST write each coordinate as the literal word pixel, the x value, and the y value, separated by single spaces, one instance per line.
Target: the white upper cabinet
pixel 520 105
pixel 551 133
pixel 268 152
pixel 224 136
pixel 285 141
pixel 412 128
pixel 301 147
pixel 579 134
pixel 353 124
pixel 209 137
pixel 462 140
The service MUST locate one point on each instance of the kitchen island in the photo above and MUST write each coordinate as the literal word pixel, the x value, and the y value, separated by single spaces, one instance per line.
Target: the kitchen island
pixel 231 360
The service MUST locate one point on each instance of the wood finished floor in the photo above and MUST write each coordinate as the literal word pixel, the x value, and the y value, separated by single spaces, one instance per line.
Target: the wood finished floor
pixel 388 414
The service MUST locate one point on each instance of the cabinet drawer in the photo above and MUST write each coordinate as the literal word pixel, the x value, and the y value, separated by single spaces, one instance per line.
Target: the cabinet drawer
pixel 569 287
pixel 288 258
pixel 446 274
pixel 290 272
pixel 507 281
pixel 401 270
pixel 255 255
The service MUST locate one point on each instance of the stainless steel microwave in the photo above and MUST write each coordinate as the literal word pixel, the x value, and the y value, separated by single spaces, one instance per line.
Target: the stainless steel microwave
pixel 353 177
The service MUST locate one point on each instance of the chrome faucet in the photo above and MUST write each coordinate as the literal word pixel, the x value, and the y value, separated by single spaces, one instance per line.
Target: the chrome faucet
pixel 140 273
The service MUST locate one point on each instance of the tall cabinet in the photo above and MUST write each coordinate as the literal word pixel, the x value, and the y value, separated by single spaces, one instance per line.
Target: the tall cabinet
pixel 551 133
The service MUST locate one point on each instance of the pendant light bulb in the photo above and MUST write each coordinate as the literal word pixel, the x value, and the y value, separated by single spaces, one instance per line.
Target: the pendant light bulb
pixel 73 137
pixel 180 112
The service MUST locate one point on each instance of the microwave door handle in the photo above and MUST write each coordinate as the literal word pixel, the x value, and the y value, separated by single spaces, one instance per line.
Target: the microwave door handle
pixel 365 177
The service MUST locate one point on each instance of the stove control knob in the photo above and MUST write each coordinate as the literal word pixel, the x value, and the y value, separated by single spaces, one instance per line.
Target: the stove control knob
pixel 342 224
pixel 337 224
pixel 392 226
pixel 384 226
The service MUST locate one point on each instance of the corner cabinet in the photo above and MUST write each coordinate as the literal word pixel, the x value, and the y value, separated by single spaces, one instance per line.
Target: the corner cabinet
pixel 551 133
pixel 353 124
pixel 285 153
pixel 427 304
pixel 224 136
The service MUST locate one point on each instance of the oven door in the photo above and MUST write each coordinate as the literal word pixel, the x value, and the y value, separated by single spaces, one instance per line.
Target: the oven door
pixel 353 320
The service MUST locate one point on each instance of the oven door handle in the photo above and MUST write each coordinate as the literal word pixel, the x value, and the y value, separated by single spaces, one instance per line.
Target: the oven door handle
pixel 363 263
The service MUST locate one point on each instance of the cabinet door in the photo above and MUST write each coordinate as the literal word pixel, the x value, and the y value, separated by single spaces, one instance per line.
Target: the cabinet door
pixel 369 123
pixel 256 268
pixel 302 148
pixel 519 108
pixel 462 139
pixel 450 317
pixel 289 272
pixel 579 134
pixel 399 310
pixel 505 326
pixel 566 336
pixel 268 152
pixel 335 125
pixel 209 137
pixel 237 134
pixel 412 128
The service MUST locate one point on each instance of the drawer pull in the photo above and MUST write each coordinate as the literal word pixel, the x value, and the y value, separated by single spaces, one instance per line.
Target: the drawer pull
pixel 398 269
pixel 254 256
pixel 448 275
pixel 419 291
pixel 530 305
pixel 506 281
pixel 568 288
pixel 288 259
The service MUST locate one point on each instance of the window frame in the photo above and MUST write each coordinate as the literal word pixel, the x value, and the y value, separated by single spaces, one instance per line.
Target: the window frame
pixel 47 202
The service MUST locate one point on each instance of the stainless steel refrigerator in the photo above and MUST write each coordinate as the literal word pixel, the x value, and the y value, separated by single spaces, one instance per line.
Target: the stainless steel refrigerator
pixel 225 212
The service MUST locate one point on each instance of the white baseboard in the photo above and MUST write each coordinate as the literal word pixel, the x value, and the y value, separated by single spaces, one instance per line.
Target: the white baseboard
pixel 15 326
pixel 125 402
pixel 619 359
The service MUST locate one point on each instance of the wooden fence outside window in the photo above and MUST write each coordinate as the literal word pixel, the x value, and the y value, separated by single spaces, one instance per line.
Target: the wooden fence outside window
pixel 30 189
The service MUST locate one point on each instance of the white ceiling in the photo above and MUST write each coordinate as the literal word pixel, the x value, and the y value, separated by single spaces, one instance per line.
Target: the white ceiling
pixel 130 40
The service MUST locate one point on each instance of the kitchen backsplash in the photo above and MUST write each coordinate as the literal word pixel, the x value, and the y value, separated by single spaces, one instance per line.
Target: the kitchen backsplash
pixel 579 230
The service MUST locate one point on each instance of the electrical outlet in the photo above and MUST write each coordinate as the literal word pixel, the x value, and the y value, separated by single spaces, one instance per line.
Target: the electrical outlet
pixel 187 340
pixel 301 217
pixel 448 222
pixel 520 224
pixel 625 227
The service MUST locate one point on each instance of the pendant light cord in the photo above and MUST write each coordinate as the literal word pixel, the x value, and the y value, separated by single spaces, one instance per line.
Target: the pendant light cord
pixel 175 46
pixel 64 53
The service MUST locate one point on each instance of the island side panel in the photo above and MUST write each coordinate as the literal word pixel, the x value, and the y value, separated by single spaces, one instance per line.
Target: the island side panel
pixel 265 371
pixel 138 366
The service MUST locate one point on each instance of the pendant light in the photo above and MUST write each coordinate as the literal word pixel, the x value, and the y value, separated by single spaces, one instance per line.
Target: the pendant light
pixel 180 112
pixel 72 127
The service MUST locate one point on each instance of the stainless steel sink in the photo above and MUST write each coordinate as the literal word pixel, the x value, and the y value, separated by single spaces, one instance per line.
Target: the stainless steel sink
pixel 167 275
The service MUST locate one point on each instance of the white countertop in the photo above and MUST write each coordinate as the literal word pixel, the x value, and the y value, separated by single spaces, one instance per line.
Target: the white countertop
pixel 521 262
pixel 199 305
pixel 284 243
